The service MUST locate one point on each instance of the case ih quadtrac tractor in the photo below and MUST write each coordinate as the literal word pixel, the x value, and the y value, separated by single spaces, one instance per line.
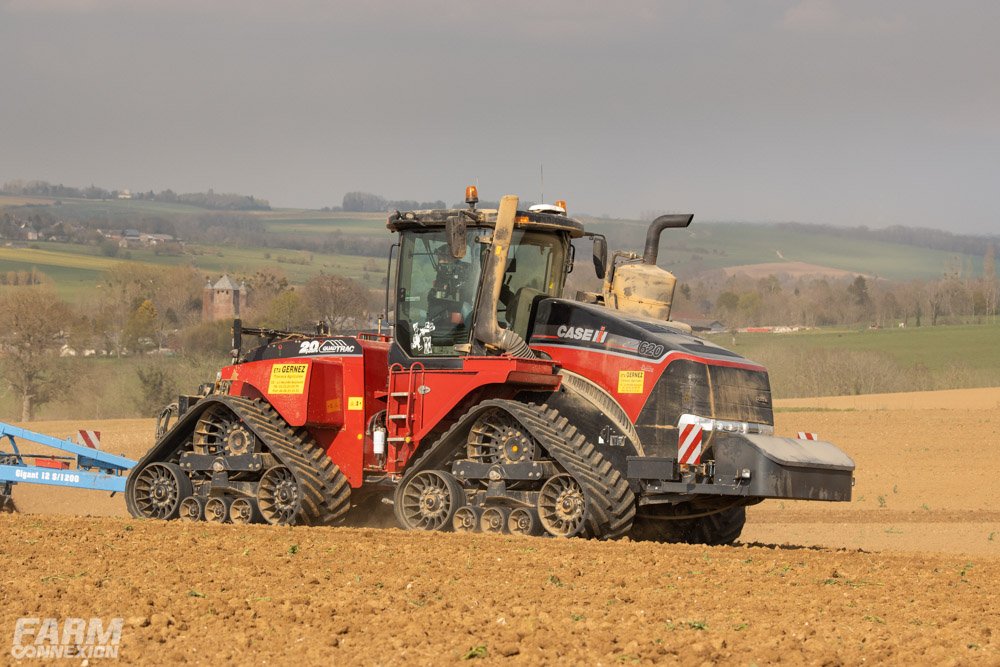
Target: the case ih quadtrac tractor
pixel 495 404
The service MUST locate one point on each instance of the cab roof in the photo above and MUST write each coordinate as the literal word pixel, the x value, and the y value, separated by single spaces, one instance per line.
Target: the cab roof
pixel 487 217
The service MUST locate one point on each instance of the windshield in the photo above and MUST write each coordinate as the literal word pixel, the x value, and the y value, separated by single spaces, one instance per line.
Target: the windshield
pixel 436 293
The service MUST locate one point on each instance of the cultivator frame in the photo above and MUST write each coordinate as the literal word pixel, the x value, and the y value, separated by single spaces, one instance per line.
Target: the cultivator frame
pixel 83 468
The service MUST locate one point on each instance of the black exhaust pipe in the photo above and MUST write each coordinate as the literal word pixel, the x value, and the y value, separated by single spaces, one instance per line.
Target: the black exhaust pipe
pixel 672 221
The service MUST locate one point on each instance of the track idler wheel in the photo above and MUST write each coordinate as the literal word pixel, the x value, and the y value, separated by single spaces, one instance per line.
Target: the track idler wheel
pixel 159 490
pixel 466 519
pixel 494 520
pixel 217 509
pixel 278 496
pixel 523 521
pixel 244 510
pixel 192 509
pixel 429 500
pixel 562 508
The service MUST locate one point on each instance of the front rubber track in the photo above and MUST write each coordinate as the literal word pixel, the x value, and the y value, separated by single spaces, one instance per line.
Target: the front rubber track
pixel 610 502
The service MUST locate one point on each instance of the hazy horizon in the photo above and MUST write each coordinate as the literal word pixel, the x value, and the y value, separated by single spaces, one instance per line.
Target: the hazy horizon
pixel 848 113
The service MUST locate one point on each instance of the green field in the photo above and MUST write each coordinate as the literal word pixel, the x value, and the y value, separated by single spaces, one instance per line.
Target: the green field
pixel 933 348
pixel 325 223
pixel 77 268
pixel 706 246
pixel 828 362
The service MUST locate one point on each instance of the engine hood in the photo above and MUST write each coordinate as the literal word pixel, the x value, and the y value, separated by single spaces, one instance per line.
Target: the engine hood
pixel 581 325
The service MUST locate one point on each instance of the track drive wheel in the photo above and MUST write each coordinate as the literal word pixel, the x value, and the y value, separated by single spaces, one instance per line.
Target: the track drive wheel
pixel 428 501
pixel 496 437
pixel 159 490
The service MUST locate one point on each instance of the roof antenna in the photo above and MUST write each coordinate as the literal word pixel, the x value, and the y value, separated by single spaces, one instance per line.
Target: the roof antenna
pixel 541 172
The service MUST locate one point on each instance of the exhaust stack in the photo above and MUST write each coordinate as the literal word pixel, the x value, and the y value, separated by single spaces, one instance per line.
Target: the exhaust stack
pixel 645 289
pixel 672 221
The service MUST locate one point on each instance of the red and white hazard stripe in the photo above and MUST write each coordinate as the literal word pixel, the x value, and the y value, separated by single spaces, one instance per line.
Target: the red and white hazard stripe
pixel 90 439
pixel 689 443
pixel 803 435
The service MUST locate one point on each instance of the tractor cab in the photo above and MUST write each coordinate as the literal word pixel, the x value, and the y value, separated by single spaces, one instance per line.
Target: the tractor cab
pixel 447 256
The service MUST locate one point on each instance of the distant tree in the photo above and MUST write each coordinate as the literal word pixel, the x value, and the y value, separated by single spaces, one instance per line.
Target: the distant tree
pixel 31 324
pixel 157 387
pixel 109 248
pixel 364 201
pixel 728 301
pixel 335 300
pixel 141 324
pixel 285 311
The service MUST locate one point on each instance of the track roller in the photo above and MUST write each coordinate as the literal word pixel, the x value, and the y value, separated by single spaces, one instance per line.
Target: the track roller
pixel 428 500
pixel 217 509
pixel 192 509
pixel 523 521
pixel 244 510
pixel 159 489
pixel 494 520
pixel 466 519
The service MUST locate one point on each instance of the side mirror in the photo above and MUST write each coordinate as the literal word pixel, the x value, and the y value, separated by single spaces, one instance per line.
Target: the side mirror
pixel 600 256
pixel 455 231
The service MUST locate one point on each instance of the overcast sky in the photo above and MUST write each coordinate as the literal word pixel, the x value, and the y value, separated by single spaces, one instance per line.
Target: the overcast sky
pixel 873 113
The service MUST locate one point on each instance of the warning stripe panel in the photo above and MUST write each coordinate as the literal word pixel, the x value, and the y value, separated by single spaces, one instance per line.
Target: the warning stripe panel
pixel 803 435
pixel 90 439
pixel 689 444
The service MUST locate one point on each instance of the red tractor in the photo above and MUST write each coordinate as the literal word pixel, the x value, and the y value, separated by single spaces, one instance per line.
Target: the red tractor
pixel 495 403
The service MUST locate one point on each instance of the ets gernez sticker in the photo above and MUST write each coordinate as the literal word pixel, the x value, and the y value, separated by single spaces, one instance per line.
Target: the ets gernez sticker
pixel 630 382
pixel 287 379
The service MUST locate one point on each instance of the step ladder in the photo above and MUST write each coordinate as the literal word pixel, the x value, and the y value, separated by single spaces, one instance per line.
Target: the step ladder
pixel 402 402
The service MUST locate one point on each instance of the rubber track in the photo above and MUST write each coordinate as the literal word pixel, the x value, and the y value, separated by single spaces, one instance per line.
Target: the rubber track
pixel 610 502
pixel 325 494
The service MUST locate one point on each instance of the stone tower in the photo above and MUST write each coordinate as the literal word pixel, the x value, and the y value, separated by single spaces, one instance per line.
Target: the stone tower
pixel 221 301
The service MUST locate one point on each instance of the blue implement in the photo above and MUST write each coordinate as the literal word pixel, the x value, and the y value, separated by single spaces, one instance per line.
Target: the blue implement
pixel 92 469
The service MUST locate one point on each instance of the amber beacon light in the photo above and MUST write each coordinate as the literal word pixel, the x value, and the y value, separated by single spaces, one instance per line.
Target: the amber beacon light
pixel 471 195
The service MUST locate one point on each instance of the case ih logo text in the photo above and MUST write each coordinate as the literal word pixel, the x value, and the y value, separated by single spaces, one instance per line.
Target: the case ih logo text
pixel 78 638
pixel 581 333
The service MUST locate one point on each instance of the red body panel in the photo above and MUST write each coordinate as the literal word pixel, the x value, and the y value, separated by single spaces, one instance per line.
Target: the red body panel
pixel 335 397
pixel 332 396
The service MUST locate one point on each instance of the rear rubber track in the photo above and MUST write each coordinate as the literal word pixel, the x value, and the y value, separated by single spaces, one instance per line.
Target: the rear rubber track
pixel 324 491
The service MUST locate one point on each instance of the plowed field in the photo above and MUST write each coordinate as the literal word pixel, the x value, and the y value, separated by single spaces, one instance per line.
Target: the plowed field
pixel 908 572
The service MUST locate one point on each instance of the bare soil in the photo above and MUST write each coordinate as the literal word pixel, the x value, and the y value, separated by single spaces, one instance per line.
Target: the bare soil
pixel 908 572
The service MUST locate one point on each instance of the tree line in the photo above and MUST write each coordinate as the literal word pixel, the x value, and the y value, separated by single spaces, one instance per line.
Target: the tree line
pixel 141 311
pixel 209 199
